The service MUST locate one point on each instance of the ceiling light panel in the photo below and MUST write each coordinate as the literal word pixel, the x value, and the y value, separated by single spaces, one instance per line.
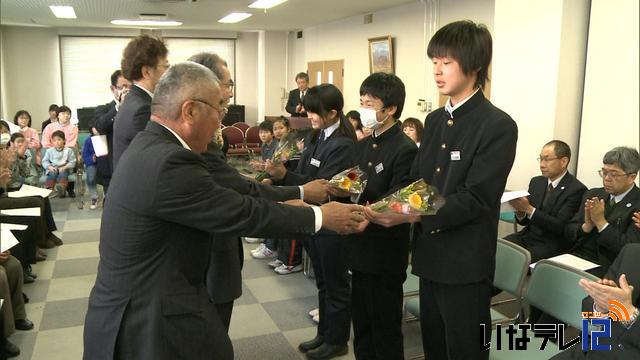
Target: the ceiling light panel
pixel 234 18
pixel 63 12
pixel 265 4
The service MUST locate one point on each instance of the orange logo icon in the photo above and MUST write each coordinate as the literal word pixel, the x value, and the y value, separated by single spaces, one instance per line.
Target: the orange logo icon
pixel 617 311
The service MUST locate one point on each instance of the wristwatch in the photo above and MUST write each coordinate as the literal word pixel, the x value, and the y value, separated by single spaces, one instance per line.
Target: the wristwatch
pixel 632 319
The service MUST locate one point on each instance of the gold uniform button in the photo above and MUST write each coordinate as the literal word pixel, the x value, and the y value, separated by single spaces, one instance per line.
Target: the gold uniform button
pixel 433 232
pixel 375 146
pixel 444 146
pixel 369 164
pixel 437 170
pixel 450 122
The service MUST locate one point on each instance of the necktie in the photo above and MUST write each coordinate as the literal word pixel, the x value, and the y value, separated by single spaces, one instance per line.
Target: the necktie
pixel 608 206
pixel 547 196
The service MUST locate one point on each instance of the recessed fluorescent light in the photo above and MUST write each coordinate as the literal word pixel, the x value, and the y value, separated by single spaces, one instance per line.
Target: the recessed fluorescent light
pixel 63 12
pixel 265 4
pixel 146 22
pixel 234 18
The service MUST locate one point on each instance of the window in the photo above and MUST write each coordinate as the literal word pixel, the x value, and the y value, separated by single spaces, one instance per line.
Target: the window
pixel 88 62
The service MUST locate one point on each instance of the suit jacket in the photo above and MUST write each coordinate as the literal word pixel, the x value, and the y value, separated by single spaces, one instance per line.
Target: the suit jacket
pixel 543 234
pixel 386 159
pixel 603 247
pixel 104 116
pixel 625 343
pixel 132 117
pixel 224 279
pixel 149 300
pixel 467 157
pixel 292 103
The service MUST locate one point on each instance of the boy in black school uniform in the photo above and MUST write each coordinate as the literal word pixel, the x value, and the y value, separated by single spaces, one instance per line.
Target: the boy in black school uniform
pixel 378 257
pixel 269 144
pixel 467 151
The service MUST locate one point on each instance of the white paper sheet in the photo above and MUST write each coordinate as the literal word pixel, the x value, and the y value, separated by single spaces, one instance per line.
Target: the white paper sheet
pixel 34 211
pixel 28 190
pixel 508 196
pixel 7 227
pixel 13 128
pixel 99 143
pixel 7 240
pixel 571 261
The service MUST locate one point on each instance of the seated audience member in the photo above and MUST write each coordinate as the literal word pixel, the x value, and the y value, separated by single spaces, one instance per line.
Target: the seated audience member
pixel 58 162
pixel 23 119
pixel 21 168
pixel 354 119
pixel 296 96
pixel 621 283
pixel 5 134
pixel 11 269
pixel 53 116
pixel 7 326
pixel 269 144
pixel 89 158
pixel 413 128
pixel 63 124
pixel 555 197
pixel 604 224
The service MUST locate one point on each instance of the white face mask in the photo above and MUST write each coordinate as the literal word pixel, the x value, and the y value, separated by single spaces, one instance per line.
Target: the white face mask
pixel 369 118
pixel 4 139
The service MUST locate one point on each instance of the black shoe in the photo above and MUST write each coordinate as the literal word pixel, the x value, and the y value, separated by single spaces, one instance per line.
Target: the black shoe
pixel 24 324
pixel 25 298
pixel 27 279
pixel 311 344
pixel 54 239
pixel 72 194
pixel 11 349
pixel 327 351
pixel 29 272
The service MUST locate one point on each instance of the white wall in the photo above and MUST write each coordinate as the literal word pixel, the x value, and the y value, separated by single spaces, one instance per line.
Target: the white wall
pixel 275 72
pixel 31 71
pixel 246 91
pixel 610 114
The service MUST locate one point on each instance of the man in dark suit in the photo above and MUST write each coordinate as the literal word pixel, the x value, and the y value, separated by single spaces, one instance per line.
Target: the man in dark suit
pixel 149 300
pixel 466 152
pixel 104 116
pixel 624 334
pixel 554 199
pixel 604 223
pixel 294 103
pixel 144 60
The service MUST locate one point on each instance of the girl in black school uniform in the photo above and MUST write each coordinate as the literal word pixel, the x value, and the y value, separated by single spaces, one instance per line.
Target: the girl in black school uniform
pixel 329 149
pixel 378 256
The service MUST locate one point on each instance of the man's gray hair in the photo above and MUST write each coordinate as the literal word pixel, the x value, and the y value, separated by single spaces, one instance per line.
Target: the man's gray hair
pixel 210 60
pixel 183 81
pixel 625 157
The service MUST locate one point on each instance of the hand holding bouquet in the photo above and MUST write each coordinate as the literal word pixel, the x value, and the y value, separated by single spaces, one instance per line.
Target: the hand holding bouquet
pixel 419 198
pixel 352 180
pixel 281 155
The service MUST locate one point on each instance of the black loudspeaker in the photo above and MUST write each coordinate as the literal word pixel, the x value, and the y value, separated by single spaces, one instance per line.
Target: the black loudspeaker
pixel 86 118
pixel 235 114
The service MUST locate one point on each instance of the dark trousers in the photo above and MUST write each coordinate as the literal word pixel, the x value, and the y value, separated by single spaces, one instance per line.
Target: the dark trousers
pixel 271 244
pixel 37 227
pixel 334 292
pixel 224 312
pixel 450 318
pixel 290 252
pixel 376 305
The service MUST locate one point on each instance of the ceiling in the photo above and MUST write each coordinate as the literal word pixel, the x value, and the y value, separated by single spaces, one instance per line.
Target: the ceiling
pixel 195 14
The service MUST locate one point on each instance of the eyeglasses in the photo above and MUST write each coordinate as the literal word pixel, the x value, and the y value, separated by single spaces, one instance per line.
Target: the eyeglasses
pixel 545 159
pixel 221 112
pixel 614 176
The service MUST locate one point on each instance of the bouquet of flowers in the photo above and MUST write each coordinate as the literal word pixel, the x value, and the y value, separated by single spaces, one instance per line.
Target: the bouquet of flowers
pixel 352 180
pixel 416 198
pixel 282 154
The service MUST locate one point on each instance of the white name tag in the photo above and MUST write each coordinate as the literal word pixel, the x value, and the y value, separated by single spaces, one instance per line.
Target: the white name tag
pixel 315 162
pixel 455 155
pixel 379 168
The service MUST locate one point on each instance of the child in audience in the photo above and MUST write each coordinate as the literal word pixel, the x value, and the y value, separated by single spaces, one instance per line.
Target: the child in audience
pixel 23 119
pixel 5 134
pixel 269 144
pixel 53 116
pixel 63 124
pixel 89 158
pixel 21 168
pixel 354 119
pixel 58 162
pixel 413 128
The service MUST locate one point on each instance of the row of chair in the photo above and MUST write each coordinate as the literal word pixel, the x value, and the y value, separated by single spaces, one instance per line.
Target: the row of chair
pixel 243 140
pixel 552 287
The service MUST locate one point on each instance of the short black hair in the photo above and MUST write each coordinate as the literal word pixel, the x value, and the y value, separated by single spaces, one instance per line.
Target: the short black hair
pixel 58 133
pixel 53 107
pixel 560 148
pixel 114 77
pixel 5 125
pixel 20 114
pixel 386 87
pixel 14 137
pixel 470 44
pixel 61 109
pixel 321 100
pixel 283 120
pixel 302 75
pixel 355 116
pixel 266 126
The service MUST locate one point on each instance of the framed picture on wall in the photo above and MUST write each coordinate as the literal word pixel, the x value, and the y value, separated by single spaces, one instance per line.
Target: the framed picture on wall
pixel 381 54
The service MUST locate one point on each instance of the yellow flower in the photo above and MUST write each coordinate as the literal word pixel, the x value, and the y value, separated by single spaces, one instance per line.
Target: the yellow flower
pixel 346 183
pixel 415 201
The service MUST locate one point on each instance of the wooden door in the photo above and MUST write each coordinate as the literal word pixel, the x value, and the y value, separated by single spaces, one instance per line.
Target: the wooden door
pixel 316 72
pixel 334 73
